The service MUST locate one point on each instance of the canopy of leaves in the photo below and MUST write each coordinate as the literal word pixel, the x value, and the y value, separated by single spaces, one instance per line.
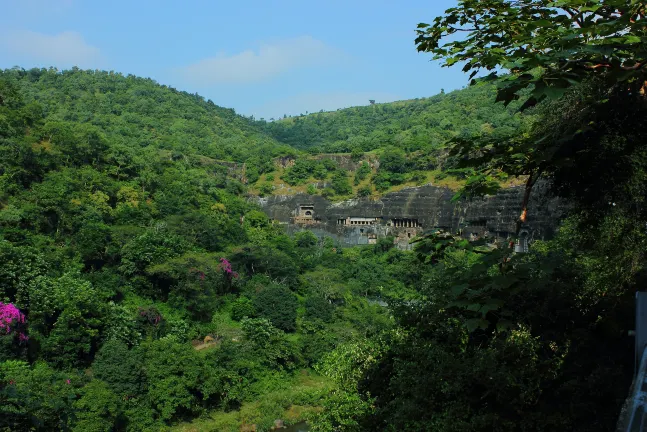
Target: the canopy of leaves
pixel 420 124
pixel 544 44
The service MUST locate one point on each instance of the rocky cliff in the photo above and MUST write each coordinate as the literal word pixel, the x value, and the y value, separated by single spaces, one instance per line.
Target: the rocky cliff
pixel 409 211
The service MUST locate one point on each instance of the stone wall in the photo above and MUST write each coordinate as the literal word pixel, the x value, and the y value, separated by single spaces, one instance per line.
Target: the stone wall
pixel 429 206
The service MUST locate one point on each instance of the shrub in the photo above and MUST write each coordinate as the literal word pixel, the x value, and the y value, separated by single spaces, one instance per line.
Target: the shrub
pixel 340 183
pixel 357 154
pixel 120 368
pixel 279 305
pixel 242 308
pixel 265 189
pixel 364 191
pixel 394 160
pixel 327 192
pixel 318 307
pixel 305 239
pixel 362 172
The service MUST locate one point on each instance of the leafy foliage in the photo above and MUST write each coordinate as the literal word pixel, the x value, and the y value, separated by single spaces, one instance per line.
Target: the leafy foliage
pixel 277 304
pixel 593 37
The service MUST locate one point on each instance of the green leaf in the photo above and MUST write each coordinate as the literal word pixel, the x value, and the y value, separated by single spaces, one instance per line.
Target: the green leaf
pixel 474 307
pixel 476 323
pixel 459 289
pixel 633 39
pixel 504 325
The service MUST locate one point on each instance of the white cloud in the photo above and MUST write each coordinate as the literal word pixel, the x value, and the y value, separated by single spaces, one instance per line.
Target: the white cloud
pixel 62 50
pixel 268 61
pixel 314 102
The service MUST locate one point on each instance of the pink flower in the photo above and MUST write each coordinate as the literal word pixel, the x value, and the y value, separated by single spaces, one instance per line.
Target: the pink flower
pixel 67 381
pixel 225 265
pixel 10 315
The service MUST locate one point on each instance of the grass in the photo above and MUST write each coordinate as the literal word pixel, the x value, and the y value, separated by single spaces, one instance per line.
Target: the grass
pixel 296 402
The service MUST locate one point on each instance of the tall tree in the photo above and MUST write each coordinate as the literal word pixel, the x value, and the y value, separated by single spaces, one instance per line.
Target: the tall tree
pixel 543 48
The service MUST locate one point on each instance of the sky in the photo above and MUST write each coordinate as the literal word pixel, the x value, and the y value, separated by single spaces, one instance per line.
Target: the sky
pixel 264 58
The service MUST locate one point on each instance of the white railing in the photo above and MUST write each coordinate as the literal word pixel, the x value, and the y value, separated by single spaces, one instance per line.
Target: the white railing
pixel 633 417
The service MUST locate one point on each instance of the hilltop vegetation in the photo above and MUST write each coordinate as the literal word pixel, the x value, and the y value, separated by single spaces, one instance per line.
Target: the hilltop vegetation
pixel 422 124
pixel 392 145
pixel 137 113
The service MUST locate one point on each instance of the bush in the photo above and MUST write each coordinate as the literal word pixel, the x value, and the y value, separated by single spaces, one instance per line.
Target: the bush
pixel 120 368
pixel 319 308
pixel 362 172
pixel 299 172
pixel 279 305
pixel 242 308
pixel 394 160
pixel 305 239
pixel 320 172
pixel 329 164
pixel 356 155
pixel 364 191
pixel 340 183
pixel 327 192
pixel 265 189
pixel 384 180
pixel 418 177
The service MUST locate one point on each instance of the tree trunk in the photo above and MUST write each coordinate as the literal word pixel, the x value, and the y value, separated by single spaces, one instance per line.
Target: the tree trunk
pixel 532 179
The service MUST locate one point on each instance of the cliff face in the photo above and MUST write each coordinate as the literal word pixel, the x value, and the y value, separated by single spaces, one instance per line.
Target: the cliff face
pixel 409 211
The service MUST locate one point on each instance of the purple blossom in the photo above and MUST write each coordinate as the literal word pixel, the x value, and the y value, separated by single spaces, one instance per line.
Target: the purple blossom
pixel 225 265
pixel 10 316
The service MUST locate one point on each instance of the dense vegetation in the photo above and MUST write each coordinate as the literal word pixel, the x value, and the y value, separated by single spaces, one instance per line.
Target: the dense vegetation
pixel 391 145
pixel 420 124
pixel 123 239
pixel 139 289
pixel 536 341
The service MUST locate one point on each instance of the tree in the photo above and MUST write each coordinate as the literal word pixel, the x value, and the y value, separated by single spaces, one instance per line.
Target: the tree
pixel 317 307
pixel 36 397
pixel 98 408
pixel 340 183
pixel 362 172
pixel 152 247
pixel 175 372
pixel 305 239
pixel 394 160
pixel 277 304
pixel 269 342
pixel 121 368
pixel 242 308
pixel 546 47
pixel 67 317
pixel 356 154
pixel 544 44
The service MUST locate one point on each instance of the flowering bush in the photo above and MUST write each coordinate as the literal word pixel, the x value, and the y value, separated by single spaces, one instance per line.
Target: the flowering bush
pixel 10 317
pixel 225 265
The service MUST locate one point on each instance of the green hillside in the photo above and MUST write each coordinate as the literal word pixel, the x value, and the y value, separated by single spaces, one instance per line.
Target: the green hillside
pixel 139 113
pixel 139 288
pixel 419 124
pixel 388 146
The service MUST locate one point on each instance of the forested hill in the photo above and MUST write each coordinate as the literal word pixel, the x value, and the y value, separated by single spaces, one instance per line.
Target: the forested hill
pixel 137 112
pixel 139 288
pixel 410 125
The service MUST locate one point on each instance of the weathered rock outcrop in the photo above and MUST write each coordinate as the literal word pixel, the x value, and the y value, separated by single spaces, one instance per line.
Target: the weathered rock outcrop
pixel 407 212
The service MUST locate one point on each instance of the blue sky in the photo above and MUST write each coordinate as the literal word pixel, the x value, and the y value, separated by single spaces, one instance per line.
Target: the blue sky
pixel 263 58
